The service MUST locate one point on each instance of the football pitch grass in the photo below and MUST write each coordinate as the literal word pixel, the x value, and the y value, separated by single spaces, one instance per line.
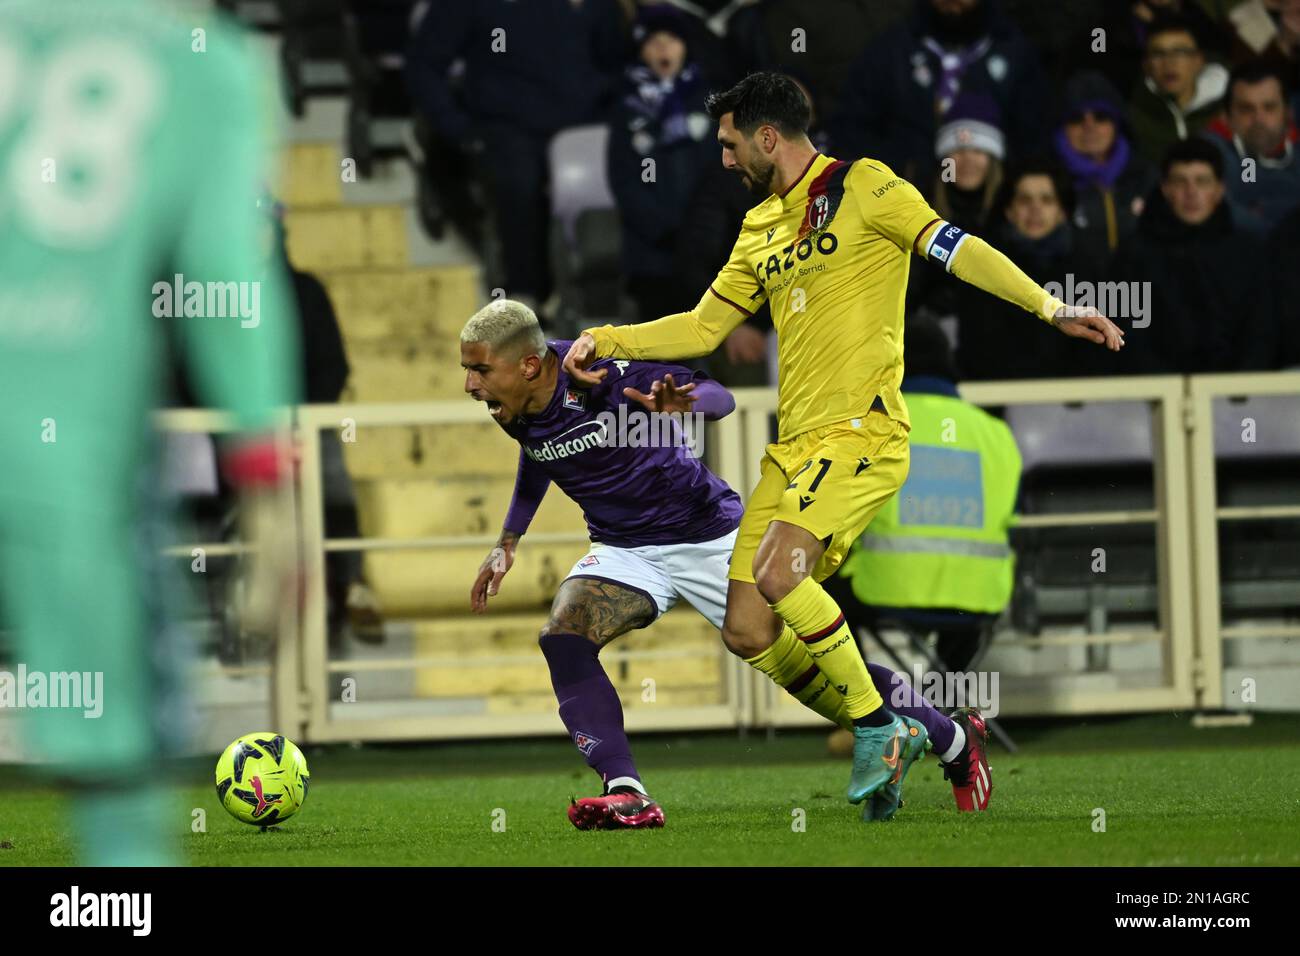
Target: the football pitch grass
pixel 1172 795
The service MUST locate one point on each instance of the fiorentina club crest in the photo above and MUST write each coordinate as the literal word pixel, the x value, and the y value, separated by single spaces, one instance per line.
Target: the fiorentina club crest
pixel 818 211
pixel 586 743
pixel 574 399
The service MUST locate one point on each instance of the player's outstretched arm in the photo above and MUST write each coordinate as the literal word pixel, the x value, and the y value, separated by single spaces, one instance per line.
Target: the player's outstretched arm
pixel 683 335
pixel 973 260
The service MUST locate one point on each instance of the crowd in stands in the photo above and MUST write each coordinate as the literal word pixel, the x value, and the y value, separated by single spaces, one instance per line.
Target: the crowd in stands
pixel 1153 152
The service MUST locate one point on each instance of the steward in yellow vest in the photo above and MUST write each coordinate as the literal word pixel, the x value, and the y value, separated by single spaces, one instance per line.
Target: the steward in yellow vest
pixel 941 541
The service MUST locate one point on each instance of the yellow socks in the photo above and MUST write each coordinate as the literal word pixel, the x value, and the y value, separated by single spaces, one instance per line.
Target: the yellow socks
pixel 790 665
pixel 817 620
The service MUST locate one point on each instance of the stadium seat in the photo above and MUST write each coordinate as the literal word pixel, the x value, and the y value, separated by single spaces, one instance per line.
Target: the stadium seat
pixel 312 47
pixel 1069 435
pixel 584 237
pixel 1271 421
pixel 375 36
pixel 1257 456
pixel 1084 457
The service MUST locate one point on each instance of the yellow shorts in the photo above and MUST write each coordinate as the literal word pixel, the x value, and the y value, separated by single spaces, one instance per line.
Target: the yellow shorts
pixel 830 481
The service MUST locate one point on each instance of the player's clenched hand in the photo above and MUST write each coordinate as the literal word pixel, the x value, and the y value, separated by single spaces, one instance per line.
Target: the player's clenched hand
pixel 665 396
pixel 1085 322
pixel 491 571
pixel 581 354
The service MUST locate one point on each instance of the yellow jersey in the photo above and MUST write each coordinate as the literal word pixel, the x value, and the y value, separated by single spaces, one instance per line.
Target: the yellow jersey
pixel 830 256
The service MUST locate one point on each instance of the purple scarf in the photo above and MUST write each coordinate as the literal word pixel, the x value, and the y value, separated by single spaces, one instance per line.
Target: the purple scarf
pixel 1087 172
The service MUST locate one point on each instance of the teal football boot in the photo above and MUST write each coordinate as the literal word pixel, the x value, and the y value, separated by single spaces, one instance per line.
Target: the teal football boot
pixel 881 758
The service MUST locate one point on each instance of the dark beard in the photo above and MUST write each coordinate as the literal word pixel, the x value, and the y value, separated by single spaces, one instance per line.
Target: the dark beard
pixel 760 185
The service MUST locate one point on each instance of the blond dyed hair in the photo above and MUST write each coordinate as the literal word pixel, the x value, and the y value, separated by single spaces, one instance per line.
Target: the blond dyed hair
pixel 507 327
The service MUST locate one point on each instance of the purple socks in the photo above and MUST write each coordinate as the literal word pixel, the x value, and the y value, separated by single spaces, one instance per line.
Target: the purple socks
pixel 589 705
pixel 593 714
pixel 902 698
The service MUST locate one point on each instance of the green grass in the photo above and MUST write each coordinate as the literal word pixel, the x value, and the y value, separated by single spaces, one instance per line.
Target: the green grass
pixel 1172 796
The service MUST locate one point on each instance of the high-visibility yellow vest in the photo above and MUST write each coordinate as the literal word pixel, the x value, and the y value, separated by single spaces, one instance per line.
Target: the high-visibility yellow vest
pixel 941 542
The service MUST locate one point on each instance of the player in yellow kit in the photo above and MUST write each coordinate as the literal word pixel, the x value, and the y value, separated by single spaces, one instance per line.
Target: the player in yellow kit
pixel 829 249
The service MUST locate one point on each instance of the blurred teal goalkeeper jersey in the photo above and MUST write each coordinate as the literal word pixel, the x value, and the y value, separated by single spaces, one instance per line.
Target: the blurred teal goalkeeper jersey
pixel 133 149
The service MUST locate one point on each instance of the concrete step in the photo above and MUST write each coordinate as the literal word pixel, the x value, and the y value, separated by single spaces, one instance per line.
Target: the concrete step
pixel 414 305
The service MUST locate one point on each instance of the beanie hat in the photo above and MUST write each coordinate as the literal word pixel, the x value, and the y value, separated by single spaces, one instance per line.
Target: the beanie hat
pixel 659 18
pixel 1091 91
pixel 972 122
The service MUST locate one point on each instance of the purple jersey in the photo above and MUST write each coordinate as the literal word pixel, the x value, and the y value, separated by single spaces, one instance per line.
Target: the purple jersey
pixel 630 496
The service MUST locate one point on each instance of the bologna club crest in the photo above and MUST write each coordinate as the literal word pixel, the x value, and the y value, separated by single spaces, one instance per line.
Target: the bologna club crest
pixel 819 212
pixel 824 195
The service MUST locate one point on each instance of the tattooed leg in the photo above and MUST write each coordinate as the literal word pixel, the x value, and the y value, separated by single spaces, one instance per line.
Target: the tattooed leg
pixel 597 610
pixel 585 615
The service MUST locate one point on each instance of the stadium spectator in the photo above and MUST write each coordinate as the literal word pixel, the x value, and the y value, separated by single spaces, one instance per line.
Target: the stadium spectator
pixel 709 51
pixel 1257 125
pixel 970 149
pixel 1180 92
pixel 761 37
pixel 661 146
pixel 907 78
pixel 1210 302
pixel 1126 26
pixel 1110 180
pixel 1031 224
pixel 529 71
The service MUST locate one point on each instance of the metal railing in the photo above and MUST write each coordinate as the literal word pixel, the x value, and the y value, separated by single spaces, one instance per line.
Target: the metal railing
pixel 1209 516
pixel 1175 634
pixel 1188 634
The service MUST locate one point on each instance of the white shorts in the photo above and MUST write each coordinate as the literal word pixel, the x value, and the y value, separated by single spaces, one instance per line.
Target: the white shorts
pixel 665 573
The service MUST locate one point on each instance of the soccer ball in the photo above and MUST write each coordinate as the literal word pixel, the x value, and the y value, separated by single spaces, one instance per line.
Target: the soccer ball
pixel 262 779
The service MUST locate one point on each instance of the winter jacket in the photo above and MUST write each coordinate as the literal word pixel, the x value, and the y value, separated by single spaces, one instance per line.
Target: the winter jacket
pixel 1258 206
pixel 998 340
pixel 664 122
pixel 1211 295
pixel 1158 122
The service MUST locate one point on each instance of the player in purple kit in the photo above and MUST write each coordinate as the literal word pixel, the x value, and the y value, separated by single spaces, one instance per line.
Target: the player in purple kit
pixel 662 528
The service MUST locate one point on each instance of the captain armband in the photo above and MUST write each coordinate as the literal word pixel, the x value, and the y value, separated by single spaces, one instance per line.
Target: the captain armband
pixel 944 243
